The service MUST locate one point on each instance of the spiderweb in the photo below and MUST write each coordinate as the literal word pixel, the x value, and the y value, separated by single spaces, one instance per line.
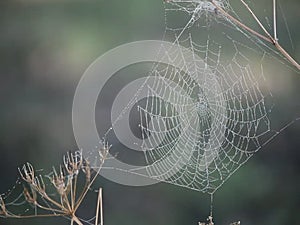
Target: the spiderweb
pixel 216 115
pixel 204 118
pixel 214 126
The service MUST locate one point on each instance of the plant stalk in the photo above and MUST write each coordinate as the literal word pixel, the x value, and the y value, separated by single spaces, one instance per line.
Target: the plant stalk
pixel 268 37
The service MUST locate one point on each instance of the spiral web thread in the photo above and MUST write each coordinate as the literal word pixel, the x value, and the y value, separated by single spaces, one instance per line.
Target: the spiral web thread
pixel 211 136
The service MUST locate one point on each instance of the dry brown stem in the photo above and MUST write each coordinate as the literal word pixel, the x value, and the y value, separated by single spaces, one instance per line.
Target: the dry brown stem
pixel 266 37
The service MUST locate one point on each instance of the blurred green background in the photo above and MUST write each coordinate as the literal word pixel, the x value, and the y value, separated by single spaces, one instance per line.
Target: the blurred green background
pixel 45 47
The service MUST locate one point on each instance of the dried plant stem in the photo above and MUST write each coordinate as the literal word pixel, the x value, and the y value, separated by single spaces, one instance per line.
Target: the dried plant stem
pixel 88 186
pixel 267 37
pixel 275 20
pixel 75 219
pixel 257 20
pixel 99 209
pixel 289 58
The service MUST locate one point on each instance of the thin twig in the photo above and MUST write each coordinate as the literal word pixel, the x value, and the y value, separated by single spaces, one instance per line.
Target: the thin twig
pixel 267 38
pixel 274 39
pixel 236 21
pixel 257 20
pixel 90 183
pixel 99 209
pixel 275 20
pixel 289 58
pixel 74 218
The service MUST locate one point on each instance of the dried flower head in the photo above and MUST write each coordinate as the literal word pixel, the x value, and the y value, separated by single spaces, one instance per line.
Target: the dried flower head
pixel 209 221
pixel 27 173
pixel 73 162
pixel 59 181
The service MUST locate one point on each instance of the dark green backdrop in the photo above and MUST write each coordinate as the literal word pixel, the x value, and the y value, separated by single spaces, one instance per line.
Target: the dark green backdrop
pixel 45 46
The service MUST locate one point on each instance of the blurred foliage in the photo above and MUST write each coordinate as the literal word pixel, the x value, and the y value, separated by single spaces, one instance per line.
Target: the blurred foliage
pixel 45 46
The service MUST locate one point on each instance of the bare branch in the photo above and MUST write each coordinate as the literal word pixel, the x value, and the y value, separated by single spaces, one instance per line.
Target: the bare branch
pixel 275 20
pixel 99 209
pixel 267 38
